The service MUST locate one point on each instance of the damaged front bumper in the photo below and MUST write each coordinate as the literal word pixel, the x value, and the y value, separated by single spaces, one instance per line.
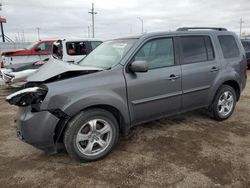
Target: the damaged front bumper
pixel 37 129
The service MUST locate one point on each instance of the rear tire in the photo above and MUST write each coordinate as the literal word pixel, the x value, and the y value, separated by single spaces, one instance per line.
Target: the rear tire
pixel 224 103
pixel 91 135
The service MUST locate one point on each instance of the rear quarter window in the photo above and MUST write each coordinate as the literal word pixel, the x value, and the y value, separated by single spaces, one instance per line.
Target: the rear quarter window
pixel 229 46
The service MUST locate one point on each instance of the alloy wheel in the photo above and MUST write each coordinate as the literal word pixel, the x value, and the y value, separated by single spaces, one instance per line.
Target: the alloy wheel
pixel 225 104
pixel 94 137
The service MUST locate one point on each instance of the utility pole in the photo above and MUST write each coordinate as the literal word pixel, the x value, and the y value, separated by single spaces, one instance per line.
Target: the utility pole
pixel 23 38
pixel 88 31
pixel 92 12
pixel 142 29
pixel 241 22
pixel 38 33
pixel 3 37
pixel 2 20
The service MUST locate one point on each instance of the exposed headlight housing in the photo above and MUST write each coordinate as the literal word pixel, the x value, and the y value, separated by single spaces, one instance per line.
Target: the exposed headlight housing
pixel 28 96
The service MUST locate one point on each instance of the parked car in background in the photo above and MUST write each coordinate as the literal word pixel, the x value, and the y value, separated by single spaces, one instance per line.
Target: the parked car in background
pixel 129 81
pixel 65 52
pixel 73 50
pixel 35 52
pixel 17 77
pixel 246 45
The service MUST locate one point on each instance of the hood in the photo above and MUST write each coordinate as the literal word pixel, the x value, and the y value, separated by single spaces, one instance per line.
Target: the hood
pixel 12 52
pixel 57 70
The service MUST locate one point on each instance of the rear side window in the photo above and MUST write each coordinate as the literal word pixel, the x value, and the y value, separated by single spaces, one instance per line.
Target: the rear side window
pixel 157 53
pixel 197 49
pixel 229 46
pixel 76 48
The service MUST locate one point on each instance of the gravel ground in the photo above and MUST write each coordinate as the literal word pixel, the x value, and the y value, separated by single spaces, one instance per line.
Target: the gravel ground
pixel 190 150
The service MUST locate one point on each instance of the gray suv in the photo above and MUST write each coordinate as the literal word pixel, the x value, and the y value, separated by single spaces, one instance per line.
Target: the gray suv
pixel 129 81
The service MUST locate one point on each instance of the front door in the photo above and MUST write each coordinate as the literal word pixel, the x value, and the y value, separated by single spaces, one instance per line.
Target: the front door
pixel 157 92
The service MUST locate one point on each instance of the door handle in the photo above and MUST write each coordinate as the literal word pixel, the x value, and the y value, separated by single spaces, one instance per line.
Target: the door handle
pixel 173 77
pixel 214 69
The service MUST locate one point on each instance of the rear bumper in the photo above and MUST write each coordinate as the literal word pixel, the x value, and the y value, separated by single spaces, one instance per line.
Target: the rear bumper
pixel 37 129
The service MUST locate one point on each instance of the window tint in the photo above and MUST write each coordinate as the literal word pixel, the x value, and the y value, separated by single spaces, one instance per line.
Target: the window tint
pixel 194 49
pixel 94 44
pixel 45 46
pixel 229 46
pixel 157 53
pixel 76 48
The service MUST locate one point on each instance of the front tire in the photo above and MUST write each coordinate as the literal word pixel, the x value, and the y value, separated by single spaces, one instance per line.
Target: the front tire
pixel 224 103
pixel 91 135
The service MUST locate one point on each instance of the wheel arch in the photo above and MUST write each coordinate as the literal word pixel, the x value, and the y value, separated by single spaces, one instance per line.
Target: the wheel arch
pixel 231 82
pixel 124 127
pixel 235 85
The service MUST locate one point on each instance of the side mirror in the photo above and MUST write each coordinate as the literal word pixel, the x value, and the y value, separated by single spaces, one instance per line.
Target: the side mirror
pixel 139 66
pixel 38 49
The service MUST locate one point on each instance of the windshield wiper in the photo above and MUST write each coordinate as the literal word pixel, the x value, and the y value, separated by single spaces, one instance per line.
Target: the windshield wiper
pixel 109 68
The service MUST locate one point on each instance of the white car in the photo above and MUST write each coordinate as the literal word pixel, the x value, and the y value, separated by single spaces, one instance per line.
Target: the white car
pixel 73 50
pixel 17 77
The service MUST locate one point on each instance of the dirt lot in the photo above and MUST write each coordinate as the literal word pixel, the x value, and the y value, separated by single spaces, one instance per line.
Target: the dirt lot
pixel 190 150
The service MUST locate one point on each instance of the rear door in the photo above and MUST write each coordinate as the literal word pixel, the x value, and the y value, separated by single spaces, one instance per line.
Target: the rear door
pixel 199 70
pixel 157 92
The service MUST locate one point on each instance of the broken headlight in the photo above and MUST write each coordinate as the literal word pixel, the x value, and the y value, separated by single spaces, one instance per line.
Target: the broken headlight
pixel 28 96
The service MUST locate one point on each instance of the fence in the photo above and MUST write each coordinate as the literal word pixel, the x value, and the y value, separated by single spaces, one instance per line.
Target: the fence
pixel 13 45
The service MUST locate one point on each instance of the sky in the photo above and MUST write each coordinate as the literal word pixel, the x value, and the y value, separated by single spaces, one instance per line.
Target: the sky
pixel 59 19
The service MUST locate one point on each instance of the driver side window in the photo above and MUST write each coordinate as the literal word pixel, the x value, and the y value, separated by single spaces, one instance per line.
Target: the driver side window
pixel 157 53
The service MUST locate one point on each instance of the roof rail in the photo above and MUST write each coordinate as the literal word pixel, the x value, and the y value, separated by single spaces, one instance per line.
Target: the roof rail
pixel 199 28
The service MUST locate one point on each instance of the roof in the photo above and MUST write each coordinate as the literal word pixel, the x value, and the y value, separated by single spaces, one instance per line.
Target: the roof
pixel 80 39
pixel 181 31
pixel 45 41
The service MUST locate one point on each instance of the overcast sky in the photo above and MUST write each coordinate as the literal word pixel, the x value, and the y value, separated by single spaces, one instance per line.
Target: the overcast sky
pixel 70 18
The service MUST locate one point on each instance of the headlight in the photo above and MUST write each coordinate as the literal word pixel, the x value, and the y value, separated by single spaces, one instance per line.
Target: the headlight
pixel 28 96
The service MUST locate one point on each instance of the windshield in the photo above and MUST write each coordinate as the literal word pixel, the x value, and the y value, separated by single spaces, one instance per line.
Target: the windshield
pixel 30 46
pixel 108 54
